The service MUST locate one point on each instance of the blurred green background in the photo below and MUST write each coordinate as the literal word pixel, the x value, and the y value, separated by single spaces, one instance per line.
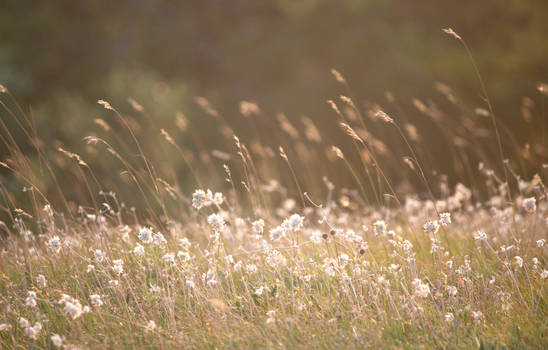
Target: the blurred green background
pixel 58 57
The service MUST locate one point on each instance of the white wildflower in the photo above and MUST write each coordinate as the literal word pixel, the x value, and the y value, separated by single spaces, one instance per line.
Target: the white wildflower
pixel 445 219
pixel 480 235
pixel 145 235
pixel 56 340
pixel 96 300
pixel 431 227
pixel 216 222
pixel 139 250
pixel 41 281
pixel 55 244
pixel 420 289
pixel 277 233
pixel 151 326
pixel 258 226
pixel 293 223
pixel 379 227
pixel 118 266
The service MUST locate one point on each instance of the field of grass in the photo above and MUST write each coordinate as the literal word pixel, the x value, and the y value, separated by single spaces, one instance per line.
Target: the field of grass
pixel 275 255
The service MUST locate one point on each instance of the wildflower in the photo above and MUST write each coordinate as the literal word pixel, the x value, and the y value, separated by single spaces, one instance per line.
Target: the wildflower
pixel 41 281
pixel 449 317
pixel 420 289
pixel 72 306
pixel 90 268
pixel 184 243
pixel 480 235
pixel 55 244
pixel 258 226
pixel 96 300
pixel 275 259
pixel 519 261
pixel 31 299
pixel 99 255
pixel 169 258
pixel 540 242
pixel 238 265
pixel 23 322
pixel 145 235
pixel 118 266
pixel 451 290
pixel 379 227
pixel 271 317
pixel 150 326
pixel 530 204
pixel 159 239
pixel 544 274
pixel 259 291
pixel 316 237
pixel 218 198
pixel 477 316
pixel 56 340
pixel 32 332
pixel 431 227
pixel 113 283
pixel 445 219
pixel 293 223
pixel 183 256
pixel 139 250
pixel 5 327
pixel 190 283
pixel 277 233
pixel 201 199
pixel 330 271
pixel 217 222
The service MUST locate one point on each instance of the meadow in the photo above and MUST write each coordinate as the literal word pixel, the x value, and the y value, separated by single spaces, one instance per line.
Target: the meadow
pixel 279 237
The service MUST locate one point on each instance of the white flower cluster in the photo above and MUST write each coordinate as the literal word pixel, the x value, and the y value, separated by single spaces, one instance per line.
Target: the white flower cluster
pixel 201 198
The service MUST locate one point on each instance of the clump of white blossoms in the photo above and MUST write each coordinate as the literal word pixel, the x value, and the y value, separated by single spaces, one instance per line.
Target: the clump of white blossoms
pixel 277 233
pixel 379 227
pixel 449 317
pixel 216 222
pixel 118 266
pixel 41 281
pixel 293 223
pixel 275 259
pixel 96 300
pixel 31 299
pixel 151 325
pixel 159 239
pixel 55 244
pixel 258 226
pixel 420 289
pixel 445 219
pixel 201 198
pixel 544 274
pixel 99 255
pixel 57 340
pixel 271 316
pixel 145 235
pixel 30 331
pixel 431 227
pixel 72 306
pixel 139 250
pixel 477 316
pixel 479 235
pixel 519 261
pixel 530 204
pixel 184 243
